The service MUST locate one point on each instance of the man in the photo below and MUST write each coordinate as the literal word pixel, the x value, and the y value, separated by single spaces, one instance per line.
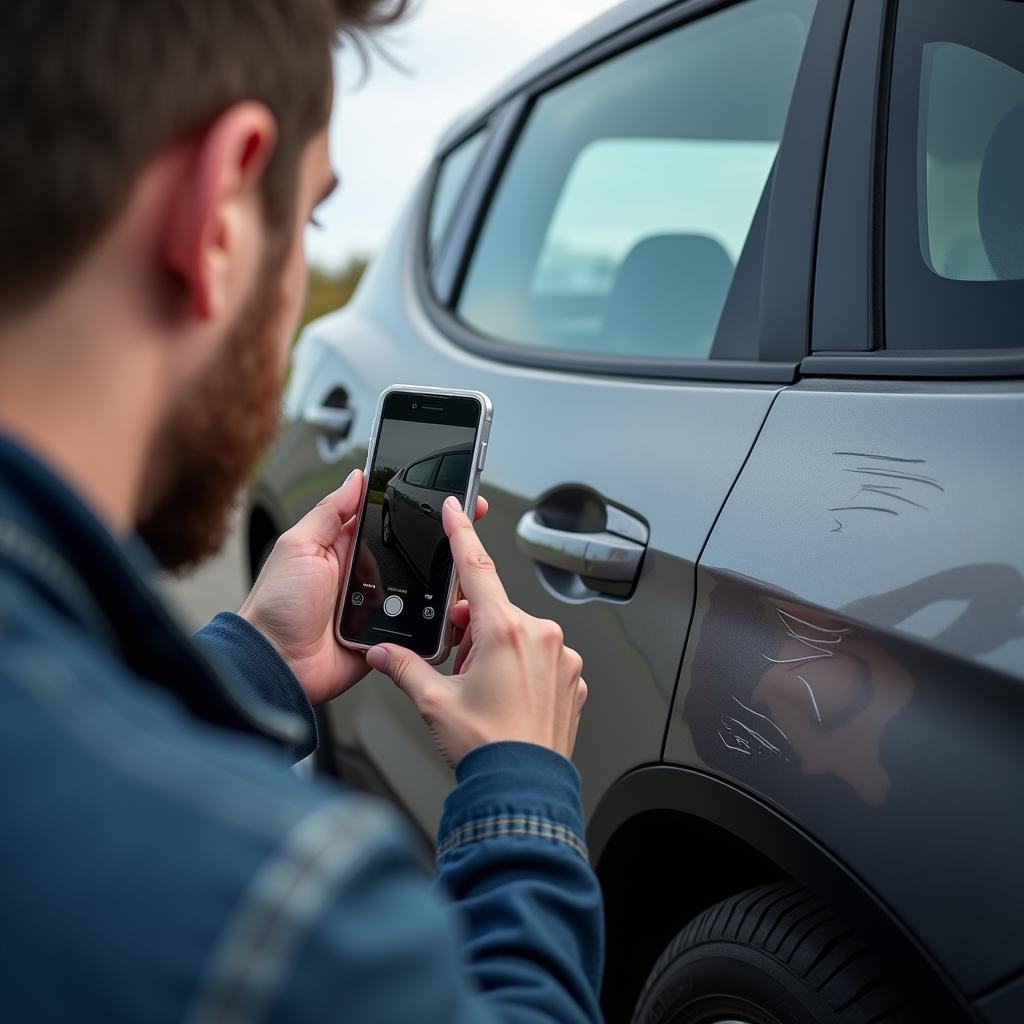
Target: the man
pixel 160 861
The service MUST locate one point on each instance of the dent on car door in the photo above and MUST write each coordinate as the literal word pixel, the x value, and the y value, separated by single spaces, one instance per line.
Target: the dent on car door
pixel 605 473
pixel 858 653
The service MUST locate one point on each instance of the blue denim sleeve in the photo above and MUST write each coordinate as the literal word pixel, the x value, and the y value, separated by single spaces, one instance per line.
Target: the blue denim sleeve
pixel 510 933
pixel 232 644
pixel 513 860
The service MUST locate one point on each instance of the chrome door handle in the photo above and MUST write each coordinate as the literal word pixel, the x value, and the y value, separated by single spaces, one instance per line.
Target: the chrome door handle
pixel 334 423
pixel 601 556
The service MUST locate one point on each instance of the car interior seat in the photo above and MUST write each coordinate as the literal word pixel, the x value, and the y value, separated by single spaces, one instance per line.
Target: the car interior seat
pixel 668 297
pixel 1001 197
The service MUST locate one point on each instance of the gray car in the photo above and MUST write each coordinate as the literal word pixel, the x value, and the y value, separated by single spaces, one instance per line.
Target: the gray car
pixel 745 282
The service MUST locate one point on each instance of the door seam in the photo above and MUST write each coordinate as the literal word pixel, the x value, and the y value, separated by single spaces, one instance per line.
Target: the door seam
pixel 696 568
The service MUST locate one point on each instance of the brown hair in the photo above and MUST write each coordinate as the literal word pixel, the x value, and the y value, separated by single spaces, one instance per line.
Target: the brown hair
pixel 91 90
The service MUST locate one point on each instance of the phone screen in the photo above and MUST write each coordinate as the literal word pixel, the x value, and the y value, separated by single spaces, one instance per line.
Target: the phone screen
pixel 403 567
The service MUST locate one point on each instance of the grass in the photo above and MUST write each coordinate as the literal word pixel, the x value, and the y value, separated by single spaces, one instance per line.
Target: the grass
pixel 328 292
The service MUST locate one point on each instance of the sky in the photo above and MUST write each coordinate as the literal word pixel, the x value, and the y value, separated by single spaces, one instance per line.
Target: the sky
pixel 383 132
pixel 401 441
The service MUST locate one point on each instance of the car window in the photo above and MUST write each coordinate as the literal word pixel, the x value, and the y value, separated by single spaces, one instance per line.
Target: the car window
pixel 626 205
pixel 451 180
pixel 955 219
pixel 420 472
pixel 453 476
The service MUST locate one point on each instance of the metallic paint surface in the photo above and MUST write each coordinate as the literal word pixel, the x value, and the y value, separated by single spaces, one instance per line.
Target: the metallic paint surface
pixel 668 452
pixel 868 678
pixel 856 657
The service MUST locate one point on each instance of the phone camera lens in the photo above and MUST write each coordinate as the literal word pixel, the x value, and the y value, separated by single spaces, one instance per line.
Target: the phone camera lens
pixel 414 405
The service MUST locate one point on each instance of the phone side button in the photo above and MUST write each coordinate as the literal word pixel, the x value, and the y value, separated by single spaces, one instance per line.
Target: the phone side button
pixel 483 456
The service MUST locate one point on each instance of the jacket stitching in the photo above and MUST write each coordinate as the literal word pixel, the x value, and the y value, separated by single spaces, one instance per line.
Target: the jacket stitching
pixel 503 826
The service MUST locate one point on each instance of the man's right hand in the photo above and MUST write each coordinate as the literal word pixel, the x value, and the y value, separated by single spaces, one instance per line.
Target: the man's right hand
pixel 514 677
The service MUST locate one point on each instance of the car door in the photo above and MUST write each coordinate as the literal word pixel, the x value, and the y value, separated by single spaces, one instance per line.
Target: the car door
pixel 414 502
pixel 626 274
pixel 858 653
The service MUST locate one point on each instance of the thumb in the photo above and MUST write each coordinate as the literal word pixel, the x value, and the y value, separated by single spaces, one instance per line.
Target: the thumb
pixel 410 673
pixel 324 523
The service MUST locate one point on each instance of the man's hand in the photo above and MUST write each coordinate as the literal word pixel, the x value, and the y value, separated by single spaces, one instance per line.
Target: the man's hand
pixel 514 678
pixel 293 602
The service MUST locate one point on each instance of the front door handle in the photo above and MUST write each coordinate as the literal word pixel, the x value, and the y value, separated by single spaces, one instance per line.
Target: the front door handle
pixel 333 423
pixel 599 556
pixel 426 507
pixel 331 420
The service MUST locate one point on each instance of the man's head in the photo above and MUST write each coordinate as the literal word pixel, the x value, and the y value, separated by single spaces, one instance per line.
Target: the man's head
pixel 175 149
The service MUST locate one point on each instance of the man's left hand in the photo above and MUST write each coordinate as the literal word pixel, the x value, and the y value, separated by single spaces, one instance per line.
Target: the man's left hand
pixel 293 601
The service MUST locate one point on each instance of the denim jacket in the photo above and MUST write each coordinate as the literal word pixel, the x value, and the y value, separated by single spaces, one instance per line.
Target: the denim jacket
pixel 160 861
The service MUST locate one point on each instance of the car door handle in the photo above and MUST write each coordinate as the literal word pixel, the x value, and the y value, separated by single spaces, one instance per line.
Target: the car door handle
pixel 600 556
pixel 335 424
pixel 425 507
pixel 331 421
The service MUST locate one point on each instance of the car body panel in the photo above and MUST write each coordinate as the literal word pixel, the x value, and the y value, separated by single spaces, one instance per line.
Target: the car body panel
pixel 857 655
pixel 1005 1006
pixel 416 511
pixel 591 431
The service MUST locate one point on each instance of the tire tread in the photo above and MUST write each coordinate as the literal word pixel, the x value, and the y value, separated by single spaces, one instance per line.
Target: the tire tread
pixel 807 936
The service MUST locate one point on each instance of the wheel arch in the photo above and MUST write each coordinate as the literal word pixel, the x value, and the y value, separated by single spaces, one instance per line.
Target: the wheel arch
pixel 677 824
pixel 261 530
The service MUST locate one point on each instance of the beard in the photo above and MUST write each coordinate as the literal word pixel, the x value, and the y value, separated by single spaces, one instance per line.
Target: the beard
pixel 216 434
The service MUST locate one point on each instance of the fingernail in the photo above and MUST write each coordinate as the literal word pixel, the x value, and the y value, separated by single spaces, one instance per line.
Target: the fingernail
pixel 349 477
pixel 453 503
pixel 377 657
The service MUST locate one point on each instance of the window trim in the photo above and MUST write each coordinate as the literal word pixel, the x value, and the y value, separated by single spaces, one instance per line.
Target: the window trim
pixel 849 298
pixel 848 282
pixel 788 263
pixel 929 364
pixel 443 241
pixel 433 473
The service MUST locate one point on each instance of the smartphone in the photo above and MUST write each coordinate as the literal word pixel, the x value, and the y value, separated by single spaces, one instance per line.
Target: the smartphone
pixel 426 444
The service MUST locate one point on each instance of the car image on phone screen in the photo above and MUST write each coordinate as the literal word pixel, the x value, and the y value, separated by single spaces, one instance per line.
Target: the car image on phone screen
pixel 427 444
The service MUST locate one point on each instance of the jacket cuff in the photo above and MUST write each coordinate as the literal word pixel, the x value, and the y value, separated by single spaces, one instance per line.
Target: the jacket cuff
pixel 508 790
pixel 230 638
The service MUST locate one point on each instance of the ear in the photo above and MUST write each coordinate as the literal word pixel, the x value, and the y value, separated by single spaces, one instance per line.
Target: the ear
pixel 215 196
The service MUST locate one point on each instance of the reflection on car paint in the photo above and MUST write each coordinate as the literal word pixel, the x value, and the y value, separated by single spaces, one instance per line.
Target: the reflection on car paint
pixel 823 700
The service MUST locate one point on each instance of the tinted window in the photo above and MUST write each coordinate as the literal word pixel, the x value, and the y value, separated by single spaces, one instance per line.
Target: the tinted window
pixel 453 475
pixel 626 206
pixel 955 199
pixel 421 472
pixel 451 180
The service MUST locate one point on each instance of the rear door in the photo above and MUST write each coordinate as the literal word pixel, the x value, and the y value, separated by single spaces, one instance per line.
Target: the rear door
pixel 627 277
pixel 857 656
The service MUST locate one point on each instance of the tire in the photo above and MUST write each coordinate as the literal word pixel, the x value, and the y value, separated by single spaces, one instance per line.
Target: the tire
pixel 771 955
pixel 387 532
pixel 261 558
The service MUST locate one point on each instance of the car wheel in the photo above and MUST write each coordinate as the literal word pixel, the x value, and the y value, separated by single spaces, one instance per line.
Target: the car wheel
pixel 387 534
pixel 261 558
pixel 771 955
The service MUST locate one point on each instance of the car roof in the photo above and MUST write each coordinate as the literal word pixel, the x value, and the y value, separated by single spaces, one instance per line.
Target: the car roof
pixel 600 28
pixel 450 450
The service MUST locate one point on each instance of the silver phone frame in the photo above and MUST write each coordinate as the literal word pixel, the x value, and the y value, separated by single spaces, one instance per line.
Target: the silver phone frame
pixel 483 430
